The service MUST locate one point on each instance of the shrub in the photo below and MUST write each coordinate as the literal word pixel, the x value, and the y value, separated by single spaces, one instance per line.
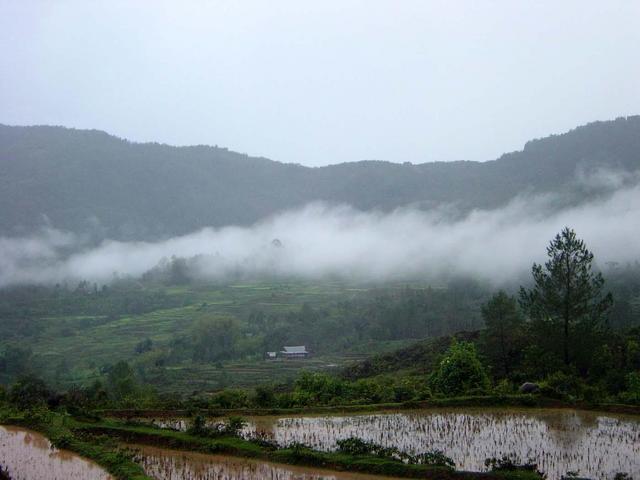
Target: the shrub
pixel 285 400
pixel 300 451
pixel 460 371
pixel 593 394
pixel 570 475
pixel 234 425
pixel 504 387
pixel 264 440
pixel 4 473
pixel 122 384
pixel 301 399
pixel 29 392
pixel 318 388
pixel 506 464
pixel 230 399
pixel 538 363
pixel 199 426
pixel 433 457
pixel 424 393
pixel 265 396
pixel 403 392
pixel 632 394
pixel 562 385
pixel 357 446
pixel 370 391
pixel 622 476
pixel 63 441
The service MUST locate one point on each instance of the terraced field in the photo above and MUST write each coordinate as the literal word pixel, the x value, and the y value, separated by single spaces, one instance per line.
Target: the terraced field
pixel 197 377
pixel 74 349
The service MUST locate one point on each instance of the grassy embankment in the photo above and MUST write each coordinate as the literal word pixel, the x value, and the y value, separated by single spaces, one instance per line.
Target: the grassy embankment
pixel 486 401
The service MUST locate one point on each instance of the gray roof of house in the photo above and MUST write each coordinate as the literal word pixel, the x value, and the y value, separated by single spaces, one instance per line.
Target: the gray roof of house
pixel 296 349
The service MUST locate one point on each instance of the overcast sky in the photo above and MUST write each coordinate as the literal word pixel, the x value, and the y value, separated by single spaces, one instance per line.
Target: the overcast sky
pixel 326 81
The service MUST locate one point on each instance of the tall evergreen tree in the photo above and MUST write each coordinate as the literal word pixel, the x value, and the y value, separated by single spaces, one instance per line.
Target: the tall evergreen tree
pixel 567 295
pixel 502 338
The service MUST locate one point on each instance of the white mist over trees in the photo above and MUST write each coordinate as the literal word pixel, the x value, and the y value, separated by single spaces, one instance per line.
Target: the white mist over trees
pixel 84 205
pixel 321 241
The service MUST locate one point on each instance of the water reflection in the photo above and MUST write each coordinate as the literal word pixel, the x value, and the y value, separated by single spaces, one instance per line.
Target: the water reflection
pixel 164 464
pixel 562 441
pixel 595 445
pixel 28 455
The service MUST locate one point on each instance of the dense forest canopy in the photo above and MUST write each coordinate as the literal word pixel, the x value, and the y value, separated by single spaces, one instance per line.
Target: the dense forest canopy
pixel 164 325
pixel 86 181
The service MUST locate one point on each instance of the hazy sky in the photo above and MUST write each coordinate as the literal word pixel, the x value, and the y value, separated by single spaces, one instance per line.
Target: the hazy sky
pixel 326 81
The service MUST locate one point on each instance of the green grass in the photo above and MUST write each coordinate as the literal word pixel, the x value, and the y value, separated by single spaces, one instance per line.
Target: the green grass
pixel 240 374
pixel 84 344
pixel 516 401
pixel 120 336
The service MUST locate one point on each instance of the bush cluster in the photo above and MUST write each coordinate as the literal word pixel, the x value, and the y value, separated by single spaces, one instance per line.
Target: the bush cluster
pixel 357 446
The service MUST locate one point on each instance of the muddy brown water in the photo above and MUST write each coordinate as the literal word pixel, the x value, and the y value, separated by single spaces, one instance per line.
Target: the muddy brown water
pixel 596 445
pixel 165 464
pixel 27 455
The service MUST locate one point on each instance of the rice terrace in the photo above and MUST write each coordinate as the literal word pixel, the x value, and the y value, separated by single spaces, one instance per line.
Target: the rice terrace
pixel 319 240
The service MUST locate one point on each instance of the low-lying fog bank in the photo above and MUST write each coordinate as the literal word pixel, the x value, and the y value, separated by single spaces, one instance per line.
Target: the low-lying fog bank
pixel 323 240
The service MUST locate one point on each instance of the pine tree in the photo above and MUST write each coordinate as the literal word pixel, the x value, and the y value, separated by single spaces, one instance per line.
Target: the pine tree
pixel 567 294
pixel 502 338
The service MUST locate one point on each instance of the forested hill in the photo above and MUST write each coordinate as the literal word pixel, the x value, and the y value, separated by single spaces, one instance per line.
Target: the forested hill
pixel 87 180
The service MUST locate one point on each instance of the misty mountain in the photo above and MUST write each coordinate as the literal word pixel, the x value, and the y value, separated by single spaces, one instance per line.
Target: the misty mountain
pixel 89 181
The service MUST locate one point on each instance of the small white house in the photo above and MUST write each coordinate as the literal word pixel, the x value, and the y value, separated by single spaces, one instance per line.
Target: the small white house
pixel 272 355
pixel 299 351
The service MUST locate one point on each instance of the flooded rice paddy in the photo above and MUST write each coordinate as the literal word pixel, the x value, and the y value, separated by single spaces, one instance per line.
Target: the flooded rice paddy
pixel 165 464
pixel 596 445
pixel 27 455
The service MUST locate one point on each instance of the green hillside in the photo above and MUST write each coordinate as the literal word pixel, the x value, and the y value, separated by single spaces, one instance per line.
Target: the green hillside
pixel 206 337
pixel 89 181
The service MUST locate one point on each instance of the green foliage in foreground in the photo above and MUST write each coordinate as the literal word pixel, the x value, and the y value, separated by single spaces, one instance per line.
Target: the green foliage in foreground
pixel 460 372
